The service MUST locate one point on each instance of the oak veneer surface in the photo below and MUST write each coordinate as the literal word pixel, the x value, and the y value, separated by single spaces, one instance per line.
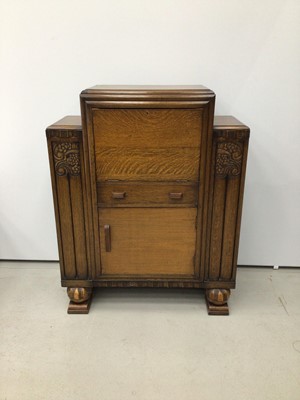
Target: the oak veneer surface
pixel 149 164
pixel 142 128
pixel 220 122
pixel 148 191
pixel 156 194
pixel 147 144
pixel 72 122
pixel 148 241
pixel 228 122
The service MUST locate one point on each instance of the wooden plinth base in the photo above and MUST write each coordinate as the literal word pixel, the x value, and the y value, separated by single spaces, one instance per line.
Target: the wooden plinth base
pixel 80 308
pixel 212 309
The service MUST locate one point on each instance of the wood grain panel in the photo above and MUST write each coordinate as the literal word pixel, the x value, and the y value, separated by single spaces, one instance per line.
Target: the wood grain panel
pixel 146 194
pixel 163 164
pixel 148 241
pixel 229 229
pixel 217 228
pixel 66 226
pixel 140 128
pixel 78 227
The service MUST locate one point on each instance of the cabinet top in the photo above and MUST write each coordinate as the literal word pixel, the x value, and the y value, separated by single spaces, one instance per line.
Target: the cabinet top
pixel 221 122
pixel 146 87
pixel 189 92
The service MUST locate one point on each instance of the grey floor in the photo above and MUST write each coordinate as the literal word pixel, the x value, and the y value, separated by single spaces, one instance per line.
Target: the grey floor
pixel 148 344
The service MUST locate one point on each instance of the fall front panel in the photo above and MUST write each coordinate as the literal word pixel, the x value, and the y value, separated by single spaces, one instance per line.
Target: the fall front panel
pixel 147 144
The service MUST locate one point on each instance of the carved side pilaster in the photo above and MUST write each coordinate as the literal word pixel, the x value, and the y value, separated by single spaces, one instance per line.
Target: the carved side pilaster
pixel 227 184
pixel 66 164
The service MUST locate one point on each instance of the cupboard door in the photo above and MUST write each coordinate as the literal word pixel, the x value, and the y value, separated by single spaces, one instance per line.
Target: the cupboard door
pixel 147 241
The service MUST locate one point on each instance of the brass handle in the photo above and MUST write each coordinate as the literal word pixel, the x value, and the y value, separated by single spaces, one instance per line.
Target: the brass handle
pixel 107 238
pixel 176 196
pixel 118 195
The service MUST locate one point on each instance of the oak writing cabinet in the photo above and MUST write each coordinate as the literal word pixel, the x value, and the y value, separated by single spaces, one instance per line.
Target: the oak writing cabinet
pixel 148 189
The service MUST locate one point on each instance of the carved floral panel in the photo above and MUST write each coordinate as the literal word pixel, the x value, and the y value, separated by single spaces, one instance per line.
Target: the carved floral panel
pixel 228 159
pixel 66 158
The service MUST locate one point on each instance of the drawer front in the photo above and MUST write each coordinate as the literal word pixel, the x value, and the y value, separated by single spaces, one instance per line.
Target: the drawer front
pixel 147 194
pixel 147 144
pixel 147 241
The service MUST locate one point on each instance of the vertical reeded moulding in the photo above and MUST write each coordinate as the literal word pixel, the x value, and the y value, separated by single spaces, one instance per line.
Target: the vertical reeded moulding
pixel 66 164
pixel 229 157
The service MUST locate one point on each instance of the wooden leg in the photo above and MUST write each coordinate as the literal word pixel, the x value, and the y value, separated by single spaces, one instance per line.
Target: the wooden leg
pixel 216 301
pixel 80 300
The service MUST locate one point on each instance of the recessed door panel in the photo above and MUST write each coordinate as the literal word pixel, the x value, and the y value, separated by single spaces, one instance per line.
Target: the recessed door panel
pixel 146 241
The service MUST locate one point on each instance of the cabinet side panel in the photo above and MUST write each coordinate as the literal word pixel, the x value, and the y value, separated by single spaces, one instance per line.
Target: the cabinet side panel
pixel 203 195
pixel 91 233
pixel 91 189
pixel 240 207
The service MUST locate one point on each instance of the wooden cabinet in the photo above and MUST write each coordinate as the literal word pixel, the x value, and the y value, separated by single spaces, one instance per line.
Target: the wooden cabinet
pixel 148 192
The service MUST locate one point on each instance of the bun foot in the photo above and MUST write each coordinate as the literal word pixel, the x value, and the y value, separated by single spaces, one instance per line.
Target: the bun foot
pixel 216 301
pixel 81 299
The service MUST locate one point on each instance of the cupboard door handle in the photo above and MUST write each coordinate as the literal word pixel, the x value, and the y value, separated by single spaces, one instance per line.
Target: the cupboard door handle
pixel 118 195
pixel 107 238
pixel 177 196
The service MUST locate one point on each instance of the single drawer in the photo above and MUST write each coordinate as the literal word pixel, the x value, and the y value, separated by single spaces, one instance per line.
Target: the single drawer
pixel 134 194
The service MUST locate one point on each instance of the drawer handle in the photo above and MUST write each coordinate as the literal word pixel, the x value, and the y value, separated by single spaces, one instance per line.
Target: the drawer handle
pixel 118 195
pixel 107 238
pixel 176 196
